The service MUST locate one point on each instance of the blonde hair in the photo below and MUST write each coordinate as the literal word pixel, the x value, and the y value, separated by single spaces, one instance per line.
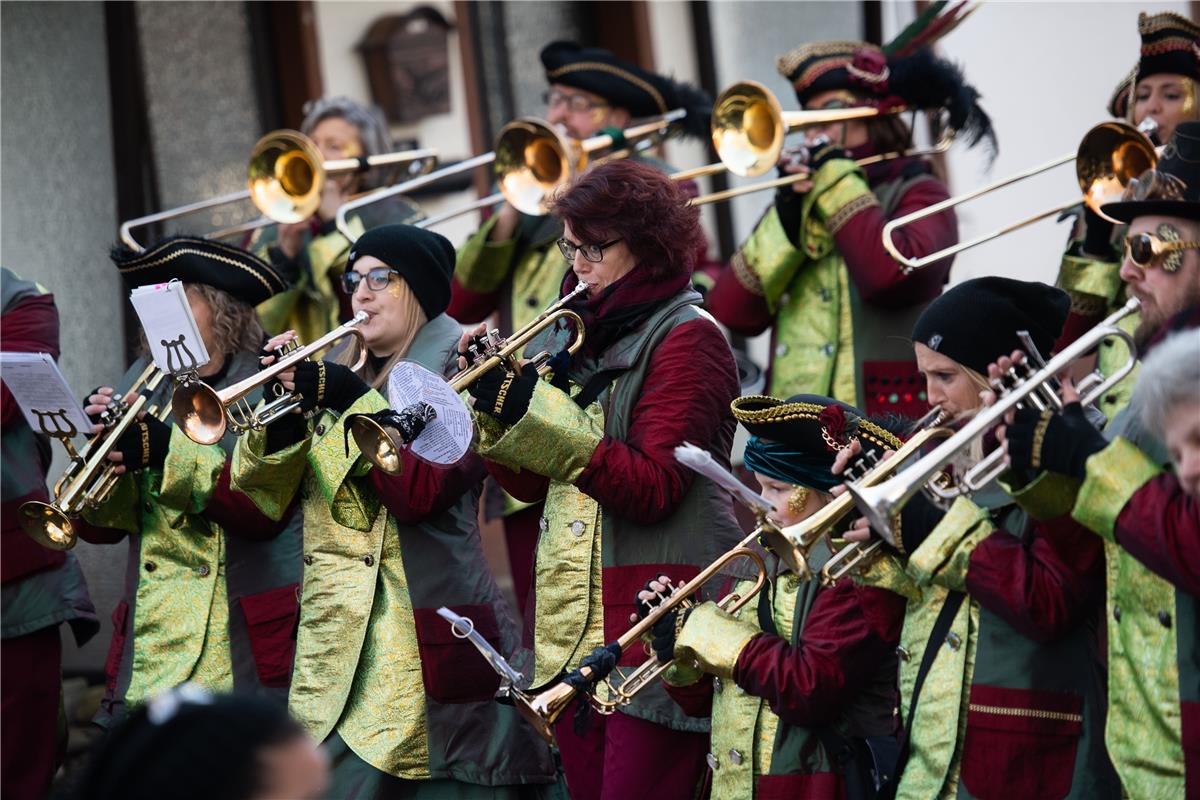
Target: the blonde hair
pixel 414 319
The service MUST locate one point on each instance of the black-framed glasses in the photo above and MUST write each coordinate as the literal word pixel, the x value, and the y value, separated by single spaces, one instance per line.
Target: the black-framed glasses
pixel 574 102
pixel 1146 249
pixel 592 252
pixel 377 279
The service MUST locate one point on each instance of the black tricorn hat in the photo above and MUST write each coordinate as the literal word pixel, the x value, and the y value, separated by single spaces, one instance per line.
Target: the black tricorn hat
pixel 1170 44
pixel 1172 188
pixel 191 259
pixel 641 92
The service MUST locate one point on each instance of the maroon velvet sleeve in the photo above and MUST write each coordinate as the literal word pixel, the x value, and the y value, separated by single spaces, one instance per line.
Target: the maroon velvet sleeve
pixel 95 534
pixel 736 307
pixel 468 306
pixel 422 490
pixel 879 278
pixel 238 515
pixel 811 682
pixel 685 398
pixel 695 699
pixel 1043 586
pixel 1160 527
pixel 31 326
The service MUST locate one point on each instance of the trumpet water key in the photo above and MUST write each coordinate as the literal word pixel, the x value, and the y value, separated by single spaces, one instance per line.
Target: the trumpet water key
pixel 204 413
pixel 90 477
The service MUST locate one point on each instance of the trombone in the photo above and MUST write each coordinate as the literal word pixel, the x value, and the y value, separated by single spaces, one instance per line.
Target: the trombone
pixel 381 443
pixel 204 414
pixel 90 477
pixel 532 160
pixel 748 130
pixel 880 502
pixel 1109 156
pixel 543 709
pixel 285 177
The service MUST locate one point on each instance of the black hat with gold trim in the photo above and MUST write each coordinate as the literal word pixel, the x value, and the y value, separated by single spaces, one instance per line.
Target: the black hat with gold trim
pixel 195 260
pixel 641 92
pixel 796 440
pixel 1170 45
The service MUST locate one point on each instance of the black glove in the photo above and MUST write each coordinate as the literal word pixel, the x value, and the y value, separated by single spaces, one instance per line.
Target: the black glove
pixel 1097 235
pixel 824 154
pixel 1060 442
pixel 408 423
pixel 144 444
pixel 504 395
pixel 918 518
pixel 560 367
pixel 99 419
pixel 663 631
pixel 328 385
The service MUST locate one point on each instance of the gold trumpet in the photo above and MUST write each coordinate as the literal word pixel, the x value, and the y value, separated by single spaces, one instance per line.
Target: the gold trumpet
pixel 90 477
pixel 880 502
pixel 1109 156
pixel 203 413
pixel 381 443
pixel 285 177
pixel 531 162
pixel 543 709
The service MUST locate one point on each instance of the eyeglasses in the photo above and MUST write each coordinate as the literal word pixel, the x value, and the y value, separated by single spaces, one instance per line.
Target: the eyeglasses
pixel 591 252
pixel 1146 249
pixel 574 102
pixel 377 279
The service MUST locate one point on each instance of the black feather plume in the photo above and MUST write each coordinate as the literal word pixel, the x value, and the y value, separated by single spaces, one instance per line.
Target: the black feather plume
pixel 698 104
pixel 927 82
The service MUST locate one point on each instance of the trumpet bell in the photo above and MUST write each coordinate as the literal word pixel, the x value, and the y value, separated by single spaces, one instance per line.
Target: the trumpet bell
pixel 532 162
pixel 1111 155
pixel 378 443
pixel 285 176
pixel 47 526
pixel 199 411
pixel 541 710
pixel 748 129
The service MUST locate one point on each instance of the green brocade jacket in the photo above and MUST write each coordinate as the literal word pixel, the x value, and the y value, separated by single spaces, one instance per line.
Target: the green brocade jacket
pixel 374 663
pixel 1153 641
pixel 993 696
pixel 201 603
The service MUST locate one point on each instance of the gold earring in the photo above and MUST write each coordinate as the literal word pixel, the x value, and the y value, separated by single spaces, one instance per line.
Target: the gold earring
pixel 798 500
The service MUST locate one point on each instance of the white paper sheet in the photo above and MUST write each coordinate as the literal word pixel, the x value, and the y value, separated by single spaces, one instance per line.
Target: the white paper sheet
pixel 170 327
pixel 445 440
pixel 43 394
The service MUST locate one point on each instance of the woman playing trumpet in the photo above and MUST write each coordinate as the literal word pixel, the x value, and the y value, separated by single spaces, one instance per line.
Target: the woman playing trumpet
pixel 815 668
pixel 1013 702
pixel 403 707
pixel 598 445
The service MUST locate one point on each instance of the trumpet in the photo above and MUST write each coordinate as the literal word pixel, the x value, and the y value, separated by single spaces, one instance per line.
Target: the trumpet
pixel 382 443
pixel 285 176
pixel 543 709
pixel 90 477
pixel 204 414
pixel 1109 156
pixel 880 502
pixel 532 160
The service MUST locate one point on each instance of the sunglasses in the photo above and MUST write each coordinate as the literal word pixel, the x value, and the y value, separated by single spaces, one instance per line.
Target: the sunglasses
pixel 591 252
pixel 377 279
pixel 576 103
pixel 1146 250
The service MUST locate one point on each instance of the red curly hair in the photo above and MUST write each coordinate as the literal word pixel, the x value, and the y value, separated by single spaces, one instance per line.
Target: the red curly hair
pixel 640 205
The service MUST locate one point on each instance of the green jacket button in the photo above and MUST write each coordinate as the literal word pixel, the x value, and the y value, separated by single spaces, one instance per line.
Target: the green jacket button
pixel 308 560
pixel 953 640
pixel 1164 619
pixel 1117 613
pixel 151 566
pixel 203 571
pixel 735 757
pixel 369 560
pixel 320 430
pixel 712 761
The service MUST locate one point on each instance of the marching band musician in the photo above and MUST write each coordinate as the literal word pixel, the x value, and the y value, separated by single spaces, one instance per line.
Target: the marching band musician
pixel 512 265
pixel 40 588
pixel 311 254
pixel 1151 530
pixel 1012 702
pixel 210 587
pixel 816 667
pixel 814 270
pixel 597 445
pixel 1162 88
pixel 404 707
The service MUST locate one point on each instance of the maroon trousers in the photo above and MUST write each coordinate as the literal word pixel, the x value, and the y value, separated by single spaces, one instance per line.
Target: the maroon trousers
pixel 31 688
pixel 621 757
pixel 521 533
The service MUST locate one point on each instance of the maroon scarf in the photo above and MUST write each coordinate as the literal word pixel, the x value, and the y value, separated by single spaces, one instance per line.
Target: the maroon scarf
pixel 622 306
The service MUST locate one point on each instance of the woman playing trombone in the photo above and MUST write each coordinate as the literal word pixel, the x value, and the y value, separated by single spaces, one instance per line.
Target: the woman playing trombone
pixel 403 707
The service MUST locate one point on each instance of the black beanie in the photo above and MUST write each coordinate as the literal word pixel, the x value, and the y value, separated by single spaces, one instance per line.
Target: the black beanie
pixel 977 321
pixel 423 258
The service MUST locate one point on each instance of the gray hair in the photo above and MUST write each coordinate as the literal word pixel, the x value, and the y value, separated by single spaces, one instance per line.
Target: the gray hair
pixel 371 124
pixel 1170 375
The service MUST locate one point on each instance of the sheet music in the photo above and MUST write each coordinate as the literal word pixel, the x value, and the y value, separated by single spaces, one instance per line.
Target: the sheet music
pixel 445 440
pixel 170 327
pixel 43 394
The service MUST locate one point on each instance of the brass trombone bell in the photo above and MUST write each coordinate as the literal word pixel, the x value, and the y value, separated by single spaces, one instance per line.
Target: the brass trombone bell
pixel 1109 156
